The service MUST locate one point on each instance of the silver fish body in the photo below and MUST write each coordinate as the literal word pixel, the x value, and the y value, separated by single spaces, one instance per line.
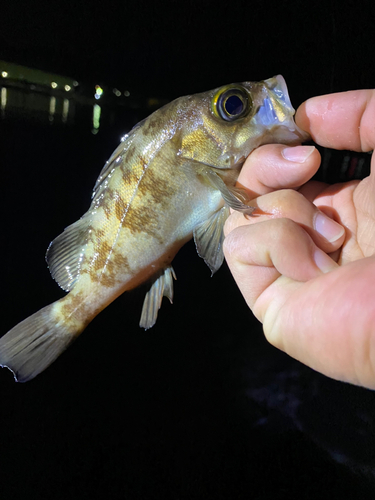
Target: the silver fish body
pixel 173 177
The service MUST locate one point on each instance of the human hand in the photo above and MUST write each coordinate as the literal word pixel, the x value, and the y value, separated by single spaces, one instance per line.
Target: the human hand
pixel 309 280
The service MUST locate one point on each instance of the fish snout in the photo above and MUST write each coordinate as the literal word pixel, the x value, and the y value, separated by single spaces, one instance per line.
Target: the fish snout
pixel 277 113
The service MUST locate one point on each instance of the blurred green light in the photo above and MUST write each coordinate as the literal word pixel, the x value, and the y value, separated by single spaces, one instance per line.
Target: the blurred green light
pixel 96 117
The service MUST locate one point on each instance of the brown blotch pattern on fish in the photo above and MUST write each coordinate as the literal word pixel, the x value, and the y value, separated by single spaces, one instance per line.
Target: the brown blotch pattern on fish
pixel 157 187
pixel 74 307
pixel 120 207
pixel 120 261
pixel 113 203
pixel 100 257
pixel 108 279
pixel 110 263
pixel 129 154
pixel 107 210
pixel 116 264
pixel 129 177
pixel 152 125
pixel 99 233
pixel 103 203
pixel 143 219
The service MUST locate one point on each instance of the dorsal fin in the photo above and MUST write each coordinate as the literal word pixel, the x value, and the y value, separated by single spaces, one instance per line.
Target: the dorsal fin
pixel 65 253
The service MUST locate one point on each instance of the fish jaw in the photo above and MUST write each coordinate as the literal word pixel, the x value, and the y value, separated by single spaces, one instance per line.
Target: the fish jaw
pixel 275 116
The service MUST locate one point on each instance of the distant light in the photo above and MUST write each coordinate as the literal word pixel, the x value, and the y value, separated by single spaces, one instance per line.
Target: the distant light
pixel 3 99
pixel 117 92
pixel 98 92
pixel 4 74
pixel 96 112
pixel 65 110
pixel 126 93
pixel 75 83
pixel 67 88
pixel 52 108
pixel 54 85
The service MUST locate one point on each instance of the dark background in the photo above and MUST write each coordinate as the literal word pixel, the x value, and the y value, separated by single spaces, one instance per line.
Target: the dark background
pixel 199 407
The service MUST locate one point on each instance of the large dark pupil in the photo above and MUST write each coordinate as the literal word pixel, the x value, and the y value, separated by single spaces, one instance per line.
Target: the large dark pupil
pixel 234 105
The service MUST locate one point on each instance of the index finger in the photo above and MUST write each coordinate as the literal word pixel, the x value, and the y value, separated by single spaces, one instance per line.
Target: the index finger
pixel 345 120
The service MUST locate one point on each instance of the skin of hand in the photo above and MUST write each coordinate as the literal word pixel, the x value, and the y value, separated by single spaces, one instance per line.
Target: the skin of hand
pixel 306 264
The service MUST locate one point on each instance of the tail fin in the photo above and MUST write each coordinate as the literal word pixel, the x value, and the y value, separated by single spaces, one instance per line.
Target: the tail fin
pixel 32 345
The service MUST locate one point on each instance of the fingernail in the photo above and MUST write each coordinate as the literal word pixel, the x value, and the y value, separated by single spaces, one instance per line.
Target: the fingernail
pixel 324 261
pixel 328 228
pixel 298 154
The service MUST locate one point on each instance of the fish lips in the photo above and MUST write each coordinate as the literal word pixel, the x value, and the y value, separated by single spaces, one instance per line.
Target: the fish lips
pixel 276 113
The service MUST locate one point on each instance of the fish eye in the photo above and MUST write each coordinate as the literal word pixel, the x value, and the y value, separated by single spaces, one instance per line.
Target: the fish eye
pixel 231 103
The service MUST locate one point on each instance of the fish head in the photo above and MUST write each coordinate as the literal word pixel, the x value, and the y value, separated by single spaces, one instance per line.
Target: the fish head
pixel 221 127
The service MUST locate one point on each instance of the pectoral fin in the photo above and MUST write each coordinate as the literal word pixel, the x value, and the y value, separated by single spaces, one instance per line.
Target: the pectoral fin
pixel 209 237
pixel 162 286
pixel 232 196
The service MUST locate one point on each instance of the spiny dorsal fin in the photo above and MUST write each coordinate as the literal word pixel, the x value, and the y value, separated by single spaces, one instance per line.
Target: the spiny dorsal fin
pixel 162 286
pixel 208 238
pixel 64 254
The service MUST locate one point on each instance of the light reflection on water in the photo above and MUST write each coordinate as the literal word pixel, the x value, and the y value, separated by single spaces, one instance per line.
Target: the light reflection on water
pixel 16 102
pixel 56 109
pixel 3 100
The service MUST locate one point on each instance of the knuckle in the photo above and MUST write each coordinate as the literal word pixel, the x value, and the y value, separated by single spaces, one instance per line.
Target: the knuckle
pixel 287 197
pixel 286 231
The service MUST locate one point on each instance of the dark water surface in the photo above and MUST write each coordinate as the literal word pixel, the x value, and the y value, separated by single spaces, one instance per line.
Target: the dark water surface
pixel 199 407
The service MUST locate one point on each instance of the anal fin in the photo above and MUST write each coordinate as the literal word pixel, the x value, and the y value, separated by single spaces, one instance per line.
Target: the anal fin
pixel 161 287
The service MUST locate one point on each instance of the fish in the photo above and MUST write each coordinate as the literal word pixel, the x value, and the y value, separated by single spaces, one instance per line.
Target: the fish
pixel 172 178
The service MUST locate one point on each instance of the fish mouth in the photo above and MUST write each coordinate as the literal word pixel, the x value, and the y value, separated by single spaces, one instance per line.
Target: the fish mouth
pixel 277 112
pixel 278 85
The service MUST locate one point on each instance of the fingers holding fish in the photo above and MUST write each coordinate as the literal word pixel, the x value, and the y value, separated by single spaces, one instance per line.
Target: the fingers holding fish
pixel 327 234
pixel 287 243
pixel 271 253
pixel 276 166
pixel 340 121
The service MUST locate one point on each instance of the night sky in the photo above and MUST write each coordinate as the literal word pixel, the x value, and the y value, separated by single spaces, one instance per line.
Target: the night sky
pixel 201 406
pixel 170 48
